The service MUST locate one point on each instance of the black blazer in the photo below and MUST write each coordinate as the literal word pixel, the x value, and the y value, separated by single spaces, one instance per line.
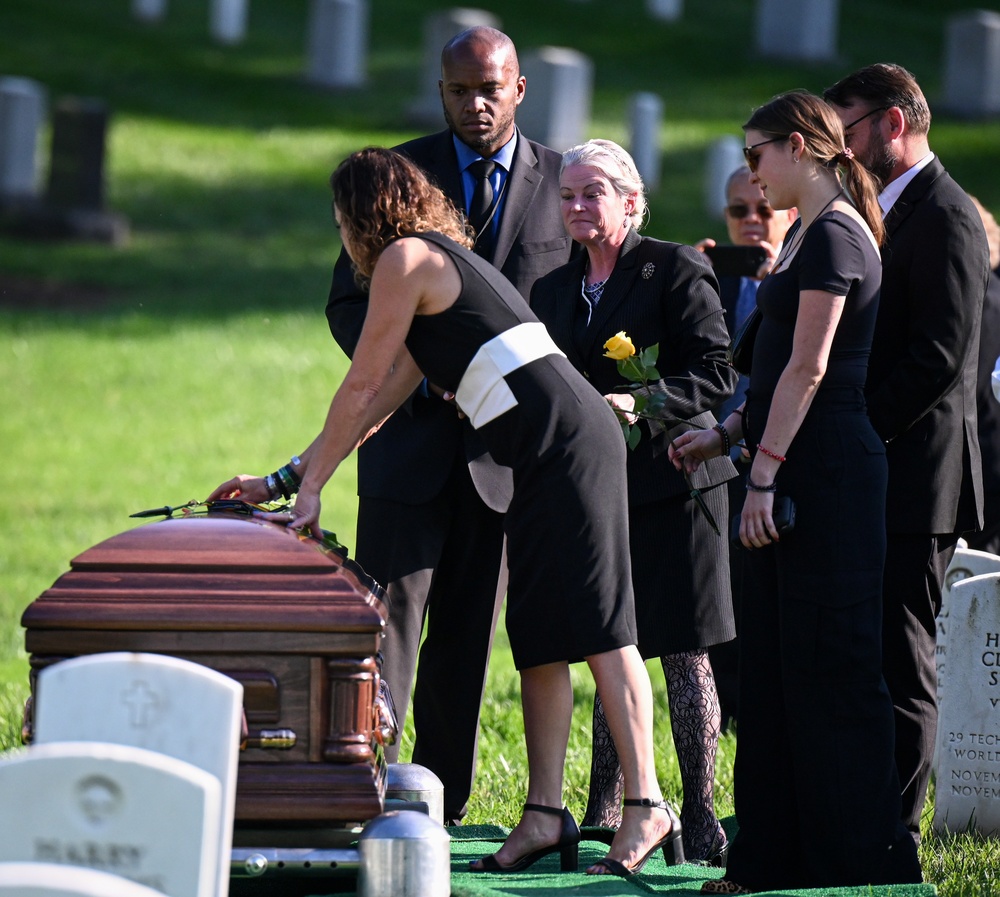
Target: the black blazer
pixel 987 407
pixel 658 293
pixel 410 458
pixel 921 385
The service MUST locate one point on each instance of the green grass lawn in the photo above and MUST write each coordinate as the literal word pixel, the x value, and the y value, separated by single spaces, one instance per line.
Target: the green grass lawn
pixel 144 375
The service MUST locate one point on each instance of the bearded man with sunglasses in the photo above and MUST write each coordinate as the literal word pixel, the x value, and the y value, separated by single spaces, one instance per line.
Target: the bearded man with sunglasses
pixel 920 390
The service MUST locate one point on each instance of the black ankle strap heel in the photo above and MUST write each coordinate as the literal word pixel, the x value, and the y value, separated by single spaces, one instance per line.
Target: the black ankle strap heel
pixel 673 846
pixel 568 845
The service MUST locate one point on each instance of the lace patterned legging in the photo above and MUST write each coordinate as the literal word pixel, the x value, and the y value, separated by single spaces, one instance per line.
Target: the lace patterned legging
pixel 694 721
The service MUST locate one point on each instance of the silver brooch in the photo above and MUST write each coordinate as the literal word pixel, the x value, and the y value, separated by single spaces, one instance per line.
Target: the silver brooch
pixel 647 270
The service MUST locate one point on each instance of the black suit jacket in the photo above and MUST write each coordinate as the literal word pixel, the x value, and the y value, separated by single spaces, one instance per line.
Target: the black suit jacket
pixel 987 405
pixel 658 293
pixel 921 385
pixel 410 458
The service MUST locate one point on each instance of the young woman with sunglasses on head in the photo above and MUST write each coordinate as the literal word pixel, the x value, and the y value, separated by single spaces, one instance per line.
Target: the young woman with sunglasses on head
pixel 817 798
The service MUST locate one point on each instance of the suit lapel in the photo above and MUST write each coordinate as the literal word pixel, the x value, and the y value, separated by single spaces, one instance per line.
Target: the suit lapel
pixel 439 160
pixel 523 181
pixel 565 307
pixel 912 194
pixel 617 288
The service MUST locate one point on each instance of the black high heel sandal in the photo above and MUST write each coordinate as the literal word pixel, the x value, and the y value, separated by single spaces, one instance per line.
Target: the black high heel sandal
pixel 673 847
pixel 568 846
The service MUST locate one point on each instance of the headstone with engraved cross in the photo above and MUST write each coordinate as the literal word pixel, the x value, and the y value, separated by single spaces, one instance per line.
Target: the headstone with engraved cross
pixel 122 810
pixel 152 701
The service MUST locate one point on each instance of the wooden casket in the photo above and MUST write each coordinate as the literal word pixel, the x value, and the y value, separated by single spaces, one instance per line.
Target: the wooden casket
pixel 296 623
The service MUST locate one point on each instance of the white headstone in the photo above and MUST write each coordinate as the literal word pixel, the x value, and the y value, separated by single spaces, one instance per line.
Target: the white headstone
pixel 556 106
pixel 665 10
pixel 51 880
pixel 645 118
pixel 228 20
pixel 439 28
pixel 151 701
pixel 725 155
pixel 968 763
pixel 149 10
pixel 966 563
pixel 131 812
pixel 972 64
pixel 805 30
pixel 22 114
pixel 337 49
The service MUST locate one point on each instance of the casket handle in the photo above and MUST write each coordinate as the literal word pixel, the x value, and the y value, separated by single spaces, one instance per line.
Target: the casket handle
pixel 386 727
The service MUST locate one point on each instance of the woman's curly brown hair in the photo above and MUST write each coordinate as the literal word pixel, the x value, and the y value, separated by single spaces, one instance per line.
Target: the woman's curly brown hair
pixel 381 196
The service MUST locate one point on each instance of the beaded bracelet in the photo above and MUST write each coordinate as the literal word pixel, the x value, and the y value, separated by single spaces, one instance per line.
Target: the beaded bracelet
pixel 726 445
pixel 753 487
pixel 285 482
pixel 766 451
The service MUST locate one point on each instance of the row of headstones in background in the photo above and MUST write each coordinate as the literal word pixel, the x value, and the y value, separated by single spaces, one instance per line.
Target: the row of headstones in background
pixel 967 762
pixel 556 107
pixel 337 42
pixel 73 203
pixel 227 19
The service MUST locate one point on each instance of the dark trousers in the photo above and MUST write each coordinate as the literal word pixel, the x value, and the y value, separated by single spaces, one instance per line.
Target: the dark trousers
pixel 817 796
pixel 914 576
pixel 441 560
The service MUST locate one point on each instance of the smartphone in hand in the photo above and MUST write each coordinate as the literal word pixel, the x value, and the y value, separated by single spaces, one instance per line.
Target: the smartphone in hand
pixel 736 261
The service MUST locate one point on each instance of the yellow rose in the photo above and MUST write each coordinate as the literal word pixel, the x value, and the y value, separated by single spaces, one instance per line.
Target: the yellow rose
pixel 619 346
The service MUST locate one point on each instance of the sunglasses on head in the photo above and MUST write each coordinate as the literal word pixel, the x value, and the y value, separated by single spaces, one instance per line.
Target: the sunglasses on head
pixel 752 157
pixel 740 210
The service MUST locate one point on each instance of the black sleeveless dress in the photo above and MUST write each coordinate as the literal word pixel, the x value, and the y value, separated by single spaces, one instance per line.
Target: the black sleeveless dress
pixel 570 591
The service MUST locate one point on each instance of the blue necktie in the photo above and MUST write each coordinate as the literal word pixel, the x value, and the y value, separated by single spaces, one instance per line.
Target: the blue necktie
pixel 746 301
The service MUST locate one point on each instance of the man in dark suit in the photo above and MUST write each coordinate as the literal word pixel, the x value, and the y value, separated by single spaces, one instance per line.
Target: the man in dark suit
pixel 921 388
pixel 750 221
pixel 429 531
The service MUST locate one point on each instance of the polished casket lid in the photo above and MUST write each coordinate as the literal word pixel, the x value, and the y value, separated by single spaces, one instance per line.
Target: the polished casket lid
pixel 215 572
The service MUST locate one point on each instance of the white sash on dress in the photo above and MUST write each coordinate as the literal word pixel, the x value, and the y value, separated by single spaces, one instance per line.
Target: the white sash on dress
pixel 483 394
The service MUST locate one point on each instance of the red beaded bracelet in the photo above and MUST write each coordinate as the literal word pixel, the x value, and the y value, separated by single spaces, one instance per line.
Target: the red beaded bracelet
pixel 779 458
